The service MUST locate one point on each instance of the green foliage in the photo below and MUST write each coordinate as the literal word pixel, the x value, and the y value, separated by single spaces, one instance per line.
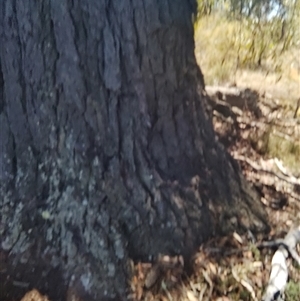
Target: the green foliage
pixel 292 291
pixel 256 8
pixel 255 251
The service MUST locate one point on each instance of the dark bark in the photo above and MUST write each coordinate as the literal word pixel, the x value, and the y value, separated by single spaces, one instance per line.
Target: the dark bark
pixel 107 152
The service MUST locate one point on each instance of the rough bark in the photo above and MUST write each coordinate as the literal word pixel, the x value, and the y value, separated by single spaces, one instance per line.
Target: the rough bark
pixel 107 152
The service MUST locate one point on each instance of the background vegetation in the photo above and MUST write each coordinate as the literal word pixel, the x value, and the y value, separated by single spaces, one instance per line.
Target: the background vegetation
pixel 234 35
pixel 255 44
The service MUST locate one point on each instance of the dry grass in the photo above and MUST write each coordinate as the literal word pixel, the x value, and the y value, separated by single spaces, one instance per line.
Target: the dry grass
pixel 220 47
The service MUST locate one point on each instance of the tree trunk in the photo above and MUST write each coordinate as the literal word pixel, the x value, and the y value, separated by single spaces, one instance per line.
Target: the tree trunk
pixel 107 152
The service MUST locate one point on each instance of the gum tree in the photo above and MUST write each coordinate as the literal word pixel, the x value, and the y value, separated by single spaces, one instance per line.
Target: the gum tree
pixel 107 149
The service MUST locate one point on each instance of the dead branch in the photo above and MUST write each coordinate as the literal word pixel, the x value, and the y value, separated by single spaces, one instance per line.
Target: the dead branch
pixel 297 108
pixel 293 195
pixel 254 165
pixel 279 271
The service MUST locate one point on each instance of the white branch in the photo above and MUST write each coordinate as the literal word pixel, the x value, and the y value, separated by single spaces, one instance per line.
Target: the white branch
pixel 279 271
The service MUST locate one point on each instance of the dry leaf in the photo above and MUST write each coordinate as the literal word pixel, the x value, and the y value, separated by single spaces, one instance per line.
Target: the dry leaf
pixel 34 295
pixel 191 296
pixel 152 276
pixel 212 268
pixel 257 264
pixel 238 238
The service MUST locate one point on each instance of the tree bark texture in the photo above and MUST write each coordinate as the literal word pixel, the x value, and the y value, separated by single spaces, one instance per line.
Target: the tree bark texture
pixel 107 152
